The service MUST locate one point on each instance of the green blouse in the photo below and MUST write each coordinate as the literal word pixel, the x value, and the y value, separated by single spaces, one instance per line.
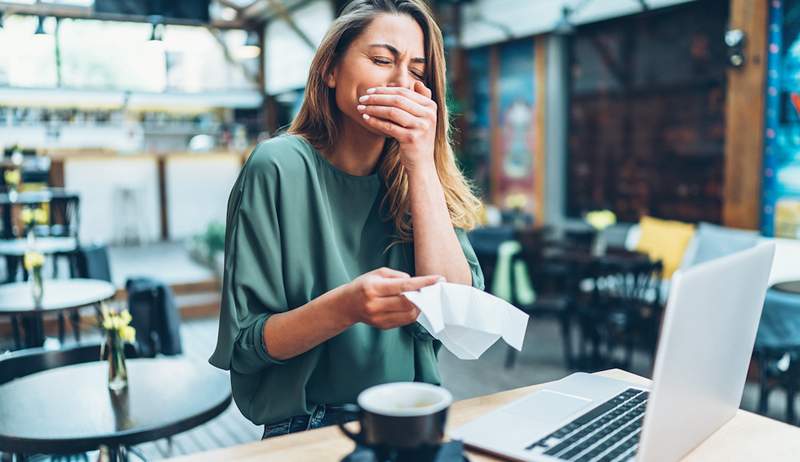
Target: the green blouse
pixel 298 227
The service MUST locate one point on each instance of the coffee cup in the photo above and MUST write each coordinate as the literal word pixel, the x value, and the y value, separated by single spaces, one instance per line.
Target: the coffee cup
pixel 400 415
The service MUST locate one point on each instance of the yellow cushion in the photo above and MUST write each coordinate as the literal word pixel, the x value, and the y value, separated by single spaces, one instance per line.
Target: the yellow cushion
pixel 665 240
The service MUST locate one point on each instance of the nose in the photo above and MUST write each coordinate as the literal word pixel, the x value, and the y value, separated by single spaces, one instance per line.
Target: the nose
pixel 402 78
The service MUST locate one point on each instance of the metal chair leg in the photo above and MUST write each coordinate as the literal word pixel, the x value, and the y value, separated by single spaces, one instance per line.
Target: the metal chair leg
pixel 61 323
pixel 763 385
pixel 15 333
pixel 75 320
pixel 566 338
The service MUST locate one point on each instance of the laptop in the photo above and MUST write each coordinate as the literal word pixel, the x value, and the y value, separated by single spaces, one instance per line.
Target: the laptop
pixel 702 359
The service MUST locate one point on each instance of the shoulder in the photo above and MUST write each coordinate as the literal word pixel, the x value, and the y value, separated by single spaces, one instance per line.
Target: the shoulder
pixel 279 156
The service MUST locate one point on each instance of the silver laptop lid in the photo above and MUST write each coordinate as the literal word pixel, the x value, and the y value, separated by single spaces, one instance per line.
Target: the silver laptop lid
pixel 704 351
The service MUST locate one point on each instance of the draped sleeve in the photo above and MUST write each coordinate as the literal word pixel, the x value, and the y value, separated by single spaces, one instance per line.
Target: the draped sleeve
pixel 253 278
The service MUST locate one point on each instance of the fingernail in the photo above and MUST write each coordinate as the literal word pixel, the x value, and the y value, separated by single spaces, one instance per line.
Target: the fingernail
pixel 361 107
pixel 364 98
pixel 370 90
pixel 365 116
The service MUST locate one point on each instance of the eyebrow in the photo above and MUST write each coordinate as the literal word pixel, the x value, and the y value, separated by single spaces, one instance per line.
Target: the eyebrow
pixel 395 51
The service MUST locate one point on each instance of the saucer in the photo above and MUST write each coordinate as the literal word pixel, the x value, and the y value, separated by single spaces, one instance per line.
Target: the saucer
pixel 452 451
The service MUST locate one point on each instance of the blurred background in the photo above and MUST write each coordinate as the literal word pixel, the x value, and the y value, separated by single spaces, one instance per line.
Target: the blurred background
pixel 612 142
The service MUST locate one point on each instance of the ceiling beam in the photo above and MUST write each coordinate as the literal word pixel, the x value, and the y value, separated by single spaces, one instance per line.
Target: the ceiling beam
pixel 79 12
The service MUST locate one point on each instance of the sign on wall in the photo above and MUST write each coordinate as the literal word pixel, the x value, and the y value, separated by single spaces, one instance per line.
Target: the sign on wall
pixel 781 200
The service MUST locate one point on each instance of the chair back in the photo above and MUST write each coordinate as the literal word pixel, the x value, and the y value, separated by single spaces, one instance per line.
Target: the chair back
pixel 65 215
pixel 486 244
pixel 155 316
pixel 91 262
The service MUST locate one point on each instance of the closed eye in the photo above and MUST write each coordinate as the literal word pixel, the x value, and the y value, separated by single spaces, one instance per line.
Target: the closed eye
pixel 381 60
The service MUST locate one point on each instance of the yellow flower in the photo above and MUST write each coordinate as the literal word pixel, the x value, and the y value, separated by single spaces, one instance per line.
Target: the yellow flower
pixel 601 219
pixel 26 215
pixel 127 334
pixel 33 260
pixel 125 317
pixel 12 176
pixel 40 216
pixel 516 201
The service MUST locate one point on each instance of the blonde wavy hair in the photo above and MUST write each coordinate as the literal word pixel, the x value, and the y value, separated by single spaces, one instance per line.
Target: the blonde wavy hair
pixel 318 116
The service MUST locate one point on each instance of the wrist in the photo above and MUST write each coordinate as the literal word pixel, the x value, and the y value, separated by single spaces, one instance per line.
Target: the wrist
pixel 423 173
pixel 339 302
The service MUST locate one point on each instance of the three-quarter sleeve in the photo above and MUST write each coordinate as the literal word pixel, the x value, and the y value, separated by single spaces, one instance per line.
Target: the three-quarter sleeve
pixel 472 259
pixel 252 282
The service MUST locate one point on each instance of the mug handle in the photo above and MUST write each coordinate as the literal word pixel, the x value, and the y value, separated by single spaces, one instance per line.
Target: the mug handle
pixel 351 409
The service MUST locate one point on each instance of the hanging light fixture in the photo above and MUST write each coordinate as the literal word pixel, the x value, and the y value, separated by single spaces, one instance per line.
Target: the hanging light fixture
pixel 564 26
pixel 251 48
pixel 40 26
pixel 157 31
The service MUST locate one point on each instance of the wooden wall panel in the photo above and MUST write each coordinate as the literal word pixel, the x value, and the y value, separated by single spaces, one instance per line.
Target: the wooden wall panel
pixel 540 153
pixel 744 130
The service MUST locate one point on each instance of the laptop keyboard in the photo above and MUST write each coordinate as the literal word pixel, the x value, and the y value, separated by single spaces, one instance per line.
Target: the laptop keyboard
pixel 607 433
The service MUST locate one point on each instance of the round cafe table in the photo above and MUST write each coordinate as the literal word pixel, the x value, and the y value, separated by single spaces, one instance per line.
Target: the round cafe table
pixel 16 299
pixel 69 409
pixel 14 249
pixel 45 245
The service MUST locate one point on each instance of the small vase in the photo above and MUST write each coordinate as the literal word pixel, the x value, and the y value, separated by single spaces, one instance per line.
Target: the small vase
pixel 599 245
pixel 37 285
pixel 117 370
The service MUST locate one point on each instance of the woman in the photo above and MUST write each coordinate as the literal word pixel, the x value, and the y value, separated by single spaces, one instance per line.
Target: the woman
pixel 326 225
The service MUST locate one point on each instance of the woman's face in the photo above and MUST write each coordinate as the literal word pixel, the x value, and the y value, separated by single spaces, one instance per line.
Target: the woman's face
pixel 390 52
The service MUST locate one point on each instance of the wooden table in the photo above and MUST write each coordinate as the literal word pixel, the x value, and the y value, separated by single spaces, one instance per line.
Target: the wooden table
pixel 69 409
pixel 747 437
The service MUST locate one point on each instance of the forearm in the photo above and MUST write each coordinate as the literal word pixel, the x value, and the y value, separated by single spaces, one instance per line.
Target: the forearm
pixel 296 331
pixel 436 246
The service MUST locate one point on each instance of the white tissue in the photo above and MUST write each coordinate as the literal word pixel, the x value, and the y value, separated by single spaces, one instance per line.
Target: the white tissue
pixel 466 320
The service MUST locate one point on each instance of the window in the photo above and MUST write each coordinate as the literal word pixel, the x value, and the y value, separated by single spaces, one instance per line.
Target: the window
pixel 27 60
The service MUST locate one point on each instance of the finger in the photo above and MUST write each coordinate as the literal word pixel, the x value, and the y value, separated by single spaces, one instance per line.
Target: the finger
pixel 414 96
pixel 390 287
pixel 393 114
pixel 388 128
pixel 391 320
pixel 420 88
pixel 400 101
pixel 393 304
pixel 391 273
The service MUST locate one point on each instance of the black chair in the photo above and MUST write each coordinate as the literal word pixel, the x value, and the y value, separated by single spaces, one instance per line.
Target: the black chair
pixel 486 243
pixel 64 222
pixel 553 282
pixel 88 262
pixel 65 215
pixel 624 311
pixel 29 361
pixel 777 350
pixel 155 316
pixel 91 261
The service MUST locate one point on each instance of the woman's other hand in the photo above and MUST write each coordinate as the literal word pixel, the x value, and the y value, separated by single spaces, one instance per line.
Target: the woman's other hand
pixel 408 116
pixel 375 298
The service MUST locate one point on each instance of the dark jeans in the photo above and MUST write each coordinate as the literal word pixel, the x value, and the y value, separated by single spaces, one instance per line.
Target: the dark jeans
pixel 323 416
